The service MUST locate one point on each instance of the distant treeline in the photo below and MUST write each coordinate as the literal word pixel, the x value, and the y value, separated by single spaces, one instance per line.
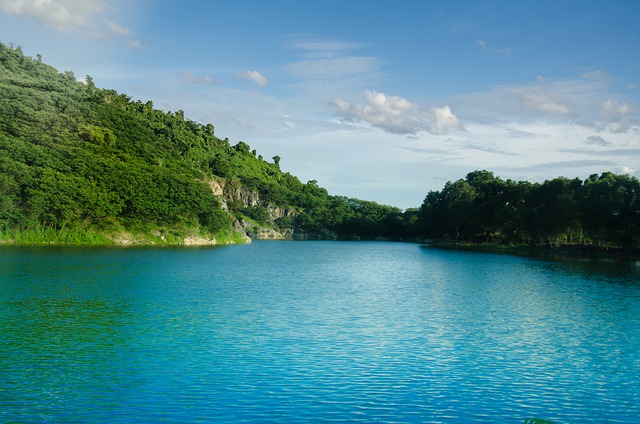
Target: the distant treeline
pixel 602 211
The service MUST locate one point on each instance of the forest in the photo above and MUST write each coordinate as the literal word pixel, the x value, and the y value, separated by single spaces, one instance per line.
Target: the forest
pixel 601 211
pixel 82 164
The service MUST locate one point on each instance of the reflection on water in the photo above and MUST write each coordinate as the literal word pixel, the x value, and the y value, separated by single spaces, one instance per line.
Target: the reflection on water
pixel 313 332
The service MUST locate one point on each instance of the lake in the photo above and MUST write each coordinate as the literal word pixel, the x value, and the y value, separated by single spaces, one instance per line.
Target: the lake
pixel 315 332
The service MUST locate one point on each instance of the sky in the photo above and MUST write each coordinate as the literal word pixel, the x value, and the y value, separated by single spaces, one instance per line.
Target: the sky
pixel 374 99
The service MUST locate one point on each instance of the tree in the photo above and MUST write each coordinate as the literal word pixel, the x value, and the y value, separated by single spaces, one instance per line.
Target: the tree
pixel 457 207
pixel 611 209
pixel 552 216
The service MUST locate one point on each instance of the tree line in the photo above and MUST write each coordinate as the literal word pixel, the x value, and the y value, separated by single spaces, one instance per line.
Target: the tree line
pixel 603 210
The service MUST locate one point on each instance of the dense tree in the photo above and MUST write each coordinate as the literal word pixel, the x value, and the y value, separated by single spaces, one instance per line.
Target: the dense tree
pixel 602 210
pixel 75 154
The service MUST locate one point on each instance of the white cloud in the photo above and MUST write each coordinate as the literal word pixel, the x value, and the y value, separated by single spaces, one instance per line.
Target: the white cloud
pixel 60 15
pixel 328 59
pixel 316 45
pixel 588 101
pixel 117 28
pixel 443 120
pixel 595 75
pixel 136 44
pixel 541 100
pixel 617 117
pixel 397 115
pixel 195 79
pixel 256 77
pixel 332 67
pixel 484 46
pixel 72 16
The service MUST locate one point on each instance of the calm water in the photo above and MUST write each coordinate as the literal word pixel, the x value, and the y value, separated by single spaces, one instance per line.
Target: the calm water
pixel 315 332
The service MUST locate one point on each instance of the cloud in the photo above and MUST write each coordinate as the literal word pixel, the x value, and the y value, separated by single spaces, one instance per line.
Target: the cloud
pixel 117 28
pixel 136 44
pixel 328 59
pixel 397 115
pixel 318 45
pixel 60 15
pixel 69 16
pixel 595 75
pixel 332 67
pixel 443 119
pixel 588 101
pixel 256 77
pixel 617 117
pixel 616 153
pixel 597 141
pixel 189 78
pixel 565 167
pixel 540 100
pixel 484 46
pixel 481 146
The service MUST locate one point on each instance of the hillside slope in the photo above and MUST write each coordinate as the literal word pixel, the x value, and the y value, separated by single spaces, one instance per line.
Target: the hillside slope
pixel 81 164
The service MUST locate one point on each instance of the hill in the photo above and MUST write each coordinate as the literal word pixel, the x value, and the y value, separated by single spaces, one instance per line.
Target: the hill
pixel 82 164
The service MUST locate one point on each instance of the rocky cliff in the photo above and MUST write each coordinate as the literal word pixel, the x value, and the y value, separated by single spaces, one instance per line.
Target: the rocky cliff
pixel 234 196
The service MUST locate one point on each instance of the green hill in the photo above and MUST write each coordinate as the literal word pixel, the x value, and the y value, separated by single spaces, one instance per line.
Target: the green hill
pixel 82 164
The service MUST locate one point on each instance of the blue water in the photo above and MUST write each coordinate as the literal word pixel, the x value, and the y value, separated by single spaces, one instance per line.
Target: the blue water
pixel 315 332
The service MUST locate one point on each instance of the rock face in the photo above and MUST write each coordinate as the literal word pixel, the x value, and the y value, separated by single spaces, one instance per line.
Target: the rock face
pixel 271 234
pixel 230 192
pixel 199 241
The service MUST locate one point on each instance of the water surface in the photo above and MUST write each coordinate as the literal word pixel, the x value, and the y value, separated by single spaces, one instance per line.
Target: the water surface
pixel 315 332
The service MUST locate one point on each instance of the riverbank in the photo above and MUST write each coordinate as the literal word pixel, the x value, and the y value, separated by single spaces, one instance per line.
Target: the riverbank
pixel 80 236
pixel 543 252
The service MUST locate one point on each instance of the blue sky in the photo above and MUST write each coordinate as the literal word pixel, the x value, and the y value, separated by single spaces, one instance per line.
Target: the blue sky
pixel 379 100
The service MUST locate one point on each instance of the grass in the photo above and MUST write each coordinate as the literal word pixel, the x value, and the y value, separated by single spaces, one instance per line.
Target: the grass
pixel 39 234
pixel 84 235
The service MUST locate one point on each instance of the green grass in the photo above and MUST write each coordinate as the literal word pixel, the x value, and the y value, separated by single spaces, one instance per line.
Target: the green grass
pixel 79 234
pixel 39 234
pixel 230 237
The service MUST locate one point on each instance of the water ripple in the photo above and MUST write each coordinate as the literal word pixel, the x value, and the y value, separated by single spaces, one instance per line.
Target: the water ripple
pixel 313 332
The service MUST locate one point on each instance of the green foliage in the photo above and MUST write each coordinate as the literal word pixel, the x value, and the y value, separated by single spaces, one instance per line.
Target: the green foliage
pixel 96 134
pixel 602 210
pixel 73 155
pixel 40 234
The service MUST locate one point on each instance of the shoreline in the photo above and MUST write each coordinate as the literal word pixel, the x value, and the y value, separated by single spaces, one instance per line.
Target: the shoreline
pixel 577 251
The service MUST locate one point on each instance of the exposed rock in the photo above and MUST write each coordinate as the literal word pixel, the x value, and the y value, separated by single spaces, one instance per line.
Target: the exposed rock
pixel 229 191
pixel 276 212
pixel 199 241
pixel 125 239
pixel 237 193
pixel 267 234
pixel 217 186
